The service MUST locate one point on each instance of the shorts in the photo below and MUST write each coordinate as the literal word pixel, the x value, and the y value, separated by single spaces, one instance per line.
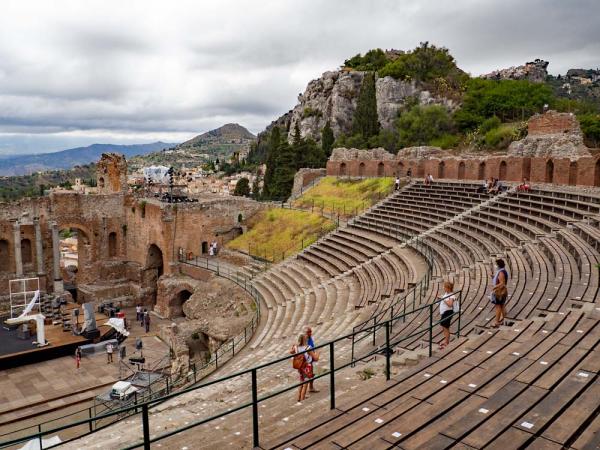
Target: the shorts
pixel 446 318
pixel 306 373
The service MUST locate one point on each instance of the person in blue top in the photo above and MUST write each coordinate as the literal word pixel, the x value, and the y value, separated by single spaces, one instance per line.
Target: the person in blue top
pixel 311 343
pixel 499 294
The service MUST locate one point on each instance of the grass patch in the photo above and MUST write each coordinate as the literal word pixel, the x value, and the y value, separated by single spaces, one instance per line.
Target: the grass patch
pixel 344 196
pixel 277 233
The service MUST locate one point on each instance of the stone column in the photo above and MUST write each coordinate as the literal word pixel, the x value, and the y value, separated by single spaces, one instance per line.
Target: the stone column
pixel 58 283
pixel 39 250
pixel 18 258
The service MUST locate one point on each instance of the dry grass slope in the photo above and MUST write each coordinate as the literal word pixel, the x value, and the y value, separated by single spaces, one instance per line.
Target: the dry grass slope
pixel 345 196
pixel 278 233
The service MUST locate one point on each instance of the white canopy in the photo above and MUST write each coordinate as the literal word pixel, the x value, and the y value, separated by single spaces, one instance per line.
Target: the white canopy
pixel 156 174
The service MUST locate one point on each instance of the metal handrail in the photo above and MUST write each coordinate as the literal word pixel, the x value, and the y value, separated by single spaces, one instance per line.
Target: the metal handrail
pixel 386 348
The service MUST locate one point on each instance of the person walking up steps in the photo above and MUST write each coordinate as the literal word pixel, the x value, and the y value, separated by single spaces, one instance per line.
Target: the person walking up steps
pixel 499 293
pixel 397 183
pixel 311 344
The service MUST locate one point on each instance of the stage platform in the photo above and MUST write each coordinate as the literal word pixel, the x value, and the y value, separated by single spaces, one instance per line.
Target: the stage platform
pixel 16 352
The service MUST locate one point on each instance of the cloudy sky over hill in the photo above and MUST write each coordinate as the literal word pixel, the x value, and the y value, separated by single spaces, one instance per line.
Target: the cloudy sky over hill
pixel 77 72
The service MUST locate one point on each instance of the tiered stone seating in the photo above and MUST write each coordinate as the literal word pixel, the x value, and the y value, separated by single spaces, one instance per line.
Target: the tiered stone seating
pixel 530 384
pixel 515 387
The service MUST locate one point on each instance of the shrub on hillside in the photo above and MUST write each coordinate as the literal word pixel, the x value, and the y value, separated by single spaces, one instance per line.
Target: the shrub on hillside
pixel 423 124
pixel 501 137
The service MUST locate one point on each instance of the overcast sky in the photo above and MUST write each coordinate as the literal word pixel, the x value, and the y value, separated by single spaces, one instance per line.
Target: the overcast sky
pixel 77 72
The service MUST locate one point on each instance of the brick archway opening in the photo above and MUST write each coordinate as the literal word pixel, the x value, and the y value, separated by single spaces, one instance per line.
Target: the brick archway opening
pixel 597 173
pixel 549 171
pixel 380 169
pixel 177 303
pixel 461 170
pixel 361 169
pixel 342 172
pixel 502 171
pixel 153 271
pixel 481 172
pixel 573 173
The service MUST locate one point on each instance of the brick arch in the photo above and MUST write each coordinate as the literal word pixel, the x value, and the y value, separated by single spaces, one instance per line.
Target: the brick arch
pixel 597 173
pixel 549 173
pixel 380 169
pixel 5 259
pixel 502 170
pixel 343 170
pixel 481 171
pixel 178 299
pixel 361 169
pixel 441 170
pixel 461 170
pixel 400 168
pixel 573 168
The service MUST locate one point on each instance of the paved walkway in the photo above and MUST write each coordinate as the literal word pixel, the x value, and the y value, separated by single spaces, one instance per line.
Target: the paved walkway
pixel 39 387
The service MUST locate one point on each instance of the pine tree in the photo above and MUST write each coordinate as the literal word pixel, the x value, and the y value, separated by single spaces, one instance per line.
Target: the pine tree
pixel 365 120
pixel 327 140
pixel 273 146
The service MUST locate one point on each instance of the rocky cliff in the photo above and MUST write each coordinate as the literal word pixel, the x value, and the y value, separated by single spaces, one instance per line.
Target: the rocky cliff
pixel 534 71
pixel 333 97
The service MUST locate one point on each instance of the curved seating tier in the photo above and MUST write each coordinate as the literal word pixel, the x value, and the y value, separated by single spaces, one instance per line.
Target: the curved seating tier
pixel 534 382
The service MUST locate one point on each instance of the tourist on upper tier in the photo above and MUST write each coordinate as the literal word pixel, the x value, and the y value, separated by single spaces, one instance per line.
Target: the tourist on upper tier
pixel 447 307
pixel 524 186
pixel 397 184
pixel 311 343
pixel 428 180
pixel 484 187
pixel 409 173
pixel 78 356
pixel 304 365
pixel 138 312
pixel 109 353
pixel 147 321
pixel 499 293
pixel 494 188
pixel 142 317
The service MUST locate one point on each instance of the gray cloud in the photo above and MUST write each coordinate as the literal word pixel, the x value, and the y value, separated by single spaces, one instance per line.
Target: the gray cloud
pixel 138 70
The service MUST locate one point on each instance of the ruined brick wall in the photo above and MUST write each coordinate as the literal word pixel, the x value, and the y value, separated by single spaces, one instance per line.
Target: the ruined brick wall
pixel 552 122
pixel 583 171
pixel 111 174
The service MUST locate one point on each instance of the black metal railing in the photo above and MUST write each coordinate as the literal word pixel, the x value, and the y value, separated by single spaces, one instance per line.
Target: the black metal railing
pixel 385 349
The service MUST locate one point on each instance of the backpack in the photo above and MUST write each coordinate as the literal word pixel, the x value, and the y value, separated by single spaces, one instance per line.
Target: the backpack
pixel 298 361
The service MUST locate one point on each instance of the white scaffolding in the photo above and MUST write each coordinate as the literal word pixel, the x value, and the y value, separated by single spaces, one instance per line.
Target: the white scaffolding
pixel 22 291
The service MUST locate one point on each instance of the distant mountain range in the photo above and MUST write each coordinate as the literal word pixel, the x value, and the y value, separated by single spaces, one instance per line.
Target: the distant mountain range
pixel 65 159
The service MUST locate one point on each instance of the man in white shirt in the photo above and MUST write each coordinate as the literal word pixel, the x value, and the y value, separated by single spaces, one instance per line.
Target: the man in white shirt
pixel 109 353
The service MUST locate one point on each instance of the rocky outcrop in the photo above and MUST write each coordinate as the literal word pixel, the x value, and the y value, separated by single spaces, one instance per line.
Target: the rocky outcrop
pixel 333 97
pixel 534 71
